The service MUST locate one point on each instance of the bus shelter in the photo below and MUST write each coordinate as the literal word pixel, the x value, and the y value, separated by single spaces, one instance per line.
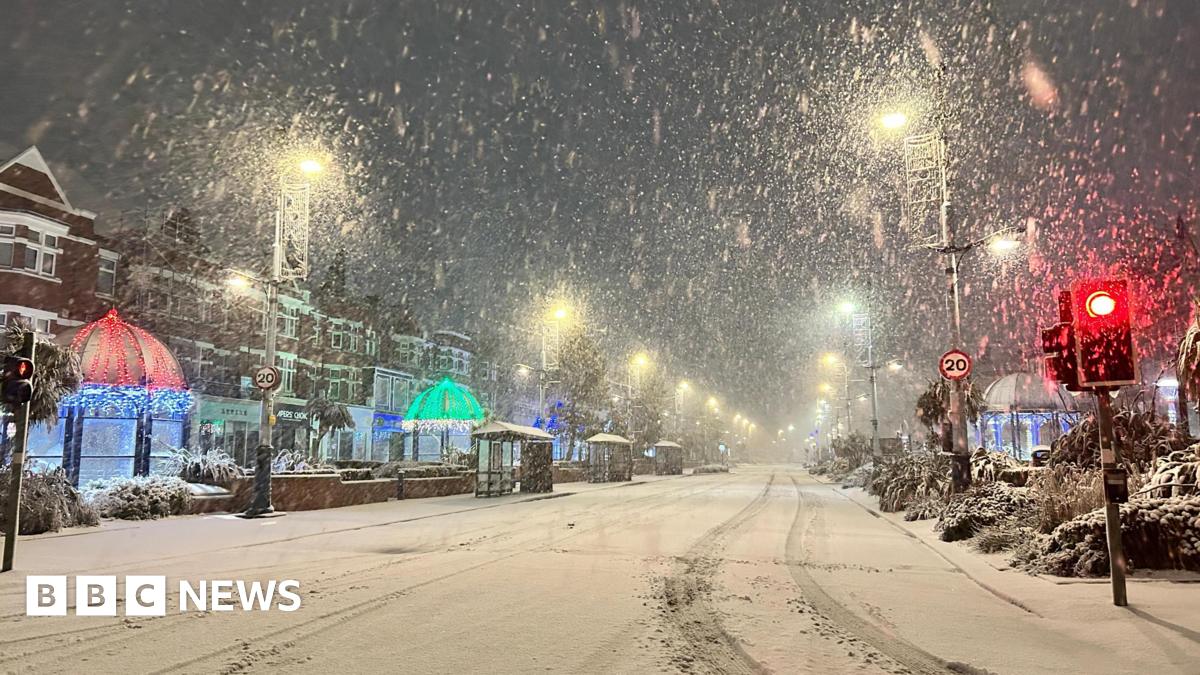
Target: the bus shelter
pixel 496 443
pixel 610 458
pixel 668 458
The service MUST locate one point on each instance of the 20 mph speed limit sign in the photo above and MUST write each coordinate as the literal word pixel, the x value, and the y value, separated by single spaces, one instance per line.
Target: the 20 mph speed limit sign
pixel 266 378
pixel 955 365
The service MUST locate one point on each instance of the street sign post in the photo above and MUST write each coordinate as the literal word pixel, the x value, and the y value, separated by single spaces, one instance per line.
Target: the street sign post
pixel 955 365
pixel 266 378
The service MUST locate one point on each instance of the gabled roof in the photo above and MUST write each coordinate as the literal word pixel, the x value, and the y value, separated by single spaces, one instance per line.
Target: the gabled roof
pixel 498 427
pixel 609 438
pixel 28 172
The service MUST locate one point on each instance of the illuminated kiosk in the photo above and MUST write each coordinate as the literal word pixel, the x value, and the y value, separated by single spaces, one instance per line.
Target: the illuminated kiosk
pixel 668 458
pixel 444 409
pixel 1022 410
pixel 130 410
pixel 610 458
pixel 495 443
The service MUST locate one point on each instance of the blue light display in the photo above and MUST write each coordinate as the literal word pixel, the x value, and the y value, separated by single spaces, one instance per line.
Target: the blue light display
pixel 130 400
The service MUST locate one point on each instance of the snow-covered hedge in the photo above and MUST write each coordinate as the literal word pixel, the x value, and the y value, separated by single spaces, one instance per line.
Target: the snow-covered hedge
pixel 1176 474
pixel 987 466
pixel 48 502
pixel 859 477
pixel 711 468
pixel 1156 533
pixel 139 498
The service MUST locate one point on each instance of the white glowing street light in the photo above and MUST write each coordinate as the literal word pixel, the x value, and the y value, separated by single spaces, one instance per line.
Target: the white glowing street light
pixel 894 120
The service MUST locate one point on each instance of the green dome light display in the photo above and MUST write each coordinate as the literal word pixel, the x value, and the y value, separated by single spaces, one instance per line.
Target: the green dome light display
pixel 446 406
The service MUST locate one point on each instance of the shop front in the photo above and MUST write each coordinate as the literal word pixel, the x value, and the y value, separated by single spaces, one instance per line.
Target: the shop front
pixel 228 424
pixel 387 439
pixel 291 425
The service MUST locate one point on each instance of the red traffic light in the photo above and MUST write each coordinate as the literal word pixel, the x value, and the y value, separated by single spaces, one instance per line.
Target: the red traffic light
pixel 1100 303
pixel 17 387
pixel 24 369
pixel 1103 332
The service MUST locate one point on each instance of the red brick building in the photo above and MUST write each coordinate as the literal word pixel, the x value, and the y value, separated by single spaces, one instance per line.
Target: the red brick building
pixel 53 271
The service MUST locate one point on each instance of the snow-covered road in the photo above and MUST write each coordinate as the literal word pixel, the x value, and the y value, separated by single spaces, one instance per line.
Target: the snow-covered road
pixel 761 570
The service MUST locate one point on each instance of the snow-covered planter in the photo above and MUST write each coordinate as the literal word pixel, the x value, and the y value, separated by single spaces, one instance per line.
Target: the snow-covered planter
pixel 1156 533
pixel 983 505
pixel 212 467
pixel 139 498
pixel 48 502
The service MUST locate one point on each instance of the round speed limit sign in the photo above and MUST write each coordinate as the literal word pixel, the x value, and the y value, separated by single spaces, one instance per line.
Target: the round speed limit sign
pixel 266 378
pixel 955 365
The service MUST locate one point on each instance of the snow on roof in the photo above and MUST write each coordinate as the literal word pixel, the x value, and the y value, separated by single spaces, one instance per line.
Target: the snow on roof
pixel 609 438
pixel 667 444
pixel 498 427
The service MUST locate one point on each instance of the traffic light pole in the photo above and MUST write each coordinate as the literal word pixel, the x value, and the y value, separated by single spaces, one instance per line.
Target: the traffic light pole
pixel 12 509
pixel 1110 460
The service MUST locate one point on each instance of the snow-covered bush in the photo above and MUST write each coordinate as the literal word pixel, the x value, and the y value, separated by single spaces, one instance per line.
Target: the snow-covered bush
pixel 924 509
pixel 986 466
pixel 859 477
pixel 982 505
pixel 1176 474
pixel 48 502
pixel 295 461
pixel 139 498
pixel 1063 492
pixel 711 468
pixel 1142 437
pixel 354 474
pixel 910 478
pixel 1004 536
pixel 1156 533
pixel 211 467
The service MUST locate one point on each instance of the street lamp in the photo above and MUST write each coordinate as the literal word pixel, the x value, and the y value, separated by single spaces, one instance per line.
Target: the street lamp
pixel 289 261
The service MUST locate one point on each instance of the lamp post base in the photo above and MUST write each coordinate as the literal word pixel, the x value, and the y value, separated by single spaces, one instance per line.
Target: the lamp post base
pixel 260 505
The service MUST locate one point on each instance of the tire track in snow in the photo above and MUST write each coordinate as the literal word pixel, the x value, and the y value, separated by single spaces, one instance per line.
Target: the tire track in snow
pixel 687 604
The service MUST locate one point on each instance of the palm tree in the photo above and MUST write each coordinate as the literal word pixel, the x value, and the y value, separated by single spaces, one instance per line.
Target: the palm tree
pixel 329 416
pixel 933 407
pixel 57 373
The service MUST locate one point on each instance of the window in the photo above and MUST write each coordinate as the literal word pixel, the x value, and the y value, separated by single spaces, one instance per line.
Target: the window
pixel 399 394
pixel 8 230
pixel 288 321
pixel 6 253
pixel 336 336
pixel 287 372
pixel 42 326
pixel 41 253
pixel 372 343
pixel 353 384
pixel 106 278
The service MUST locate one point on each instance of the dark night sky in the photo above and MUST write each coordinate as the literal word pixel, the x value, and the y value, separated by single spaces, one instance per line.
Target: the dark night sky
pixel 704 174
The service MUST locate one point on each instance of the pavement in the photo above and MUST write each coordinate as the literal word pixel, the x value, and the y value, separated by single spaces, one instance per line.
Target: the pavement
pixel 761 570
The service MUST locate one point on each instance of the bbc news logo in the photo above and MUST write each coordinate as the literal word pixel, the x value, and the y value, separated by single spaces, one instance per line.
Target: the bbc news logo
pixel 146 595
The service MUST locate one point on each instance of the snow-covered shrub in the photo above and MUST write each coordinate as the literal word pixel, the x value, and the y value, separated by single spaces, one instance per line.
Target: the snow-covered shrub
pixel 139 498
pixel 211 467
pixel 982 505
pixel 1004 536
pixel 1063 492
pixel 924 509
pixel 295 461
pixel 986 466
pixel 354 474
pixel 416 470
pixel 1142 437
pixel 711 468
pixel 1156 533
pixel 859 477
pixel 1176 474
pixel 48 502
pixel 910 478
